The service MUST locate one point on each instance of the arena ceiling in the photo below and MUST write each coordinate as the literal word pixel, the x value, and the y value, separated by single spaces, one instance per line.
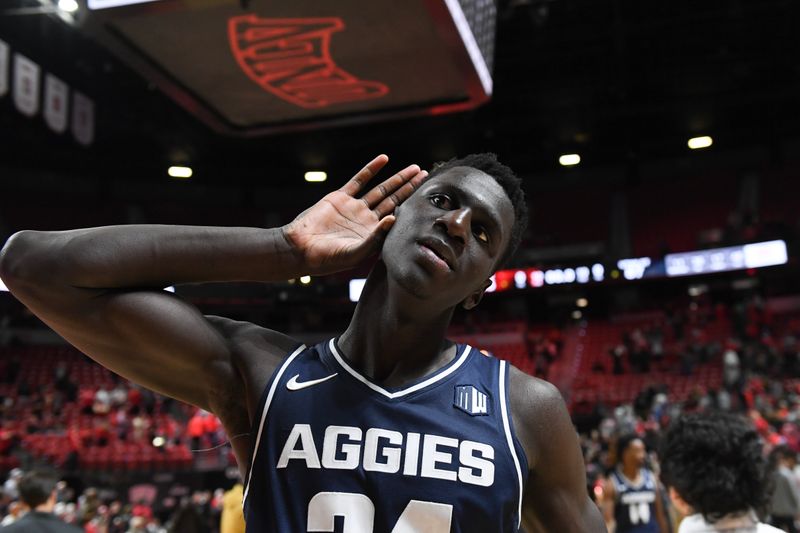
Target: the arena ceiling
pixel 620 82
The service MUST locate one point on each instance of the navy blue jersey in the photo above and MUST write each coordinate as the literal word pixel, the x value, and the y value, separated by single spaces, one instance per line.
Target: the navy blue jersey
pixel 336 452
pixel 635 510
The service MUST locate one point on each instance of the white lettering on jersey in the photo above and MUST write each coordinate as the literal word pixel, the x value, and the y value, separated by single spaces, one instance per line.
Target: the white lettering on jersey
pixel 412 454
pixel 390 453
pixel 307 451
pixel 385 450
pixel 638 497
pixel 431 455
pixel 331 446
pixel 483 464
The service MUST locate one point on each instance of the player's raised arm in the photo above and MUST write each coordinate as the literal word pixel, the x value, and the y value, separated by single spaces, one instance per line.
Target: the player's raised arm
pixel 100 288
pixel 555 497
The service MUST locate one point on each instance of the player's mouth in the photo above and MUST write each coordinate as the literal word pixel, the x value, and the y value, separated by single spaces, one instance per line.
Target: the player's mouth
pixel 438 253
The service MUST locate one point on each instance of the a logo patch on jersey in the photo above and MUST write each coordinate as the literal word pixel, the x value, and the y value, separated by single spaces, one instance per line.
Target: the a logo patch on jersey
pixel 293 384
pixel 471 400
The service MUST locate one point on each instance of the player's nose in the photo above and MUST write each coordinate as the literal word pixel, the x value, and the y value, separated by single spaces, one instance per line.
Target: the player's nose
pixel 456 223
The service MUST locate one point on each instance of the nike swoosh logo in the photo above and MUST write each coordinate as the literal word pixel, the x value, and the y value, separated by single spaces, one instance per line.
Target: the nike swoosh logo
pixel 293 384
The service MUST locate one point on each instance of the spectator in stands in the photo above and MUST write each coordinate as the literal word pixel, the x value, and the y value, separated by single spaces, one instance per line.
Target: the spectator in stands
pixel 654 337
pixel 187 519
pixel 64 384
pixel 639 351
pixel 11 485
pixel 196 429
pixel 731 369
pixel 16 510
pixel 88 504
pixel 37 490
pixel 140 424
pixel 785 503
pixel 134 399
pixel 232 519
pixel 716 473
pixel 617 353
pixel 85 400
pixel 118 395
pixel 138 524
pixel 102 401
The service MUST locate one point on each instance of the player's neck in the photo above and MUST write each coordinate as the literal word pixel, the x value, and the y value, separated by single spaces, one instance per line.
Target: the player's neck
pixel 394 341
pixel 631 472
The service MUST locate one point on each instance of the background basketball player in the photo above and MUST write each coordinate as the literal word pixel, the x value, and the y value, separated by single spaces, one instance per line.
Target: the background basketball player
pixel 631 496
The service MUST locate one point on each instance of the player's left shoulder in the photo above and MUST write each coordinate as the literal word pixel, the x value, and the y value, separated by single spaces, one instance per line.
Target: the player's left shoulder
pixel 532 397
pixel 538 411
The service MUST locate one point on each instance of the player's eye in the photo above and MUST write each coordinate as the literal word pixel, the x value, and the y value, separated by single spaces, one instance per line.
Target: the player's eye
pixel 442 201
pixel 481 234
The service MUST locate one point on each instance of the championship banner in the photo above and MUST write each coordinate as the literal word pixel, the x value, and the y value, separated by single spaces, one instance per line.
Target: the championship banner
pixel 56 98
pixel 82 118
pixel 26 85
pixel 3 67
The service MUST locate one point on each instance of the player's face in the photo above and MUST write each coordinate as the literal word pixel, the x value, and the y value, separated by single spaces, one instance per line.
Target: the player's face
pixel 635 453
pixel 448 237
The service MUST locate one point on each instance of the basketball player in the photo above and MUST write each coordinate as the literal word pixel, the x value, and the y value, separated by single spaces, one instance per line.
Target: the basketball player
pixel 631 495
pixel 386 428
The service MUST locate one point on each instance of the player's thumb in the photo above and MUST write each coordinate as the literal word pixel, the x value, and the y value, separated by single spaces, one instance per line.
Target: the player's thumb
pixel 386 224
pixel 375 240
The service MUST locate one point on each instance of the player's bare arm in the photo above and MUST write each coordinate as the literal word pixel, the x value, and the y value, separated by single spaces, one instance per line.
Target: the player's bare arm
pixel 555 497
pixel 661 512
pixel 100 289
pixel 607 503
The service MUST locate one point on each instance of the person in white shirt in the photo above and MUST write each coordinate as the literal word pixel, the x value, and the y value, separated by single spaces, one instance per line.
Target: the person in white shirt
pixel 718 477
pixel 785 502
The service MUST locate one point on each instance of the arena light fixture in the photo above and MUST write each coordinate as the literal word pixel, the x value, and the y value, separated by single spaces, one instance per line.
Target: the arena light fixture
pixel 305 280
pixel 700 142
pixel 582 302
pixel 316 176
pixel 69 6
pixel 569 160
pixel 105 4
pixel 179 172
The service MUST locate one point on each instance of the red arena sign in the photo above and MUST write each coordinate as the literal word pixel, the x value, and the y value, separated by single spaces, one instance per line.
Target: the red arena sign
pixel 291 58
pixel 279 66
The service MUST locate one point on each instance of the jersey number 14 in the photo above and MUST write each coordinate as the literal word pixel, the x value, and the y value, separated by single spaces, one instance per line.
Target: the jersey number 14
pixel 359 514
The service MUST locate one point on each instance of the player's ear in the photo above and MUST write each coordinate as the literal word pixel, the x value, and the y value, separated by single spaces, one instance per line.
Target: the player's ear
pixel 680 504
pixel 471 301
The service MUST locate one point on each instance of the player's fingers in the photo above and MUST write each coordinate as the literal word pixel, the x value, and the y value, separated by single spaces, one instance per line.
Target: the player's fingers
pixel 374 240
pixel 386 188
pixel 379 235
pixel 355 183
pixel 399 196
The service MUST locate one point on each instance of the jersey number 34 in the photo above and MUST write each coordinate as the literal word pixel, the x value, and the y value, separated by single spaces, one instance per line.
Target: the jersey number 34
pixel 359 514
